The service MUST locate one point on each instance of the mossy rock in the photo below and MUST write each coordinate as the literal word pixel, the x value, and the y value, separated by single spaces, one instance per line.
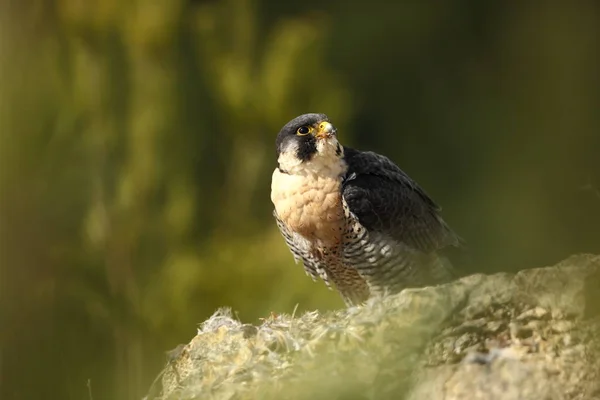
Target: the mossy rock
pixel 530 335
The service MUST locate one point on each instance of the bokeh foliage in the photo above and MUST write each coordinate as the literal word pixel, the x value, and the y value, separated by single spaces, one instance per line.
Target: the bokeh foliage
pixel 136 147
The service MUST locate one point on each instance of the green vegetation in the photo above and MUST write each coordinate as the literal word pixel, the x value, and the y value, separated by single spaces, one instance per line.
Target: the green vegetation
pixel 136 149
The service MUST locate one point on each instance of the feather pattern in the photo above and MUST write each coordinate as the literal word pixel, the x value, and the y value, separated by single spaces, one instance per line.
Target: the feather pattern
pixel 354 218
pixel 301 252
pixel 388 201
pixel 393 226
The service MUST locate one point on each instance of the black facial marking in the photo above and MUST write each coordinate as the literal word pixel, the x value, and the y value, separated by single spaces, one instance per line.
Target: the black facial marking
pixel 307 147
pixel 338 150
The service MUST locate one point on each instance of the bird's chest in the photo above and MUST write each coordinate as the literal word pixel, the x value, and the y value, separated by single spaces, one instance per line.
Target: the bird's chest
pixel 310 206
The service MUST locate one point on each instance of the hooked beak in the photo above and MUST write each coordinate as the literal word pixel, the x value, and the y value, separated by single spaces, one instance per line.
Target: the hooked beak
pixel 325 130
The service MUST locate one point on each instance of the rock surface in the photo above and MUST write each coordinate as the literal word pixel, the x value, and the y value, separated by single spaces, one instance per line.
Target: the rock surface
pixel 530 335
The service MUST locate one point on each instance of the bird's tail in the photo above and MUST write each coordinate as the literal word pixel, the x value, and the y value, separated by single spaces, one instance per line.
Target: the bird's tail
pixel 436 269
pixel 457 258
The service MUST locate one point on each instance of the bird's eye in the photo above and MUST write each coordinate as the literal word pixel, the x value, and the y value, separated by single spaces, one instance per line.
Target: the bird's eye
pixel 303 130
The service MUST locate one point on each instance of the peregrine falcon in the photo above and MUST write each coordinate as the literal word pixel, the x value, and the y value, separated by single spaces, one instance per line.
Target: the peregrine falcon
pixel 354 218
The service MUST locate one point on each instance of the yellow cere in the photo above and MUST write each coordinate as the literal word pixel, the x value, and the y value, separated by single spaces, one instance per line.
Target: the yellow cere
pixel 325 128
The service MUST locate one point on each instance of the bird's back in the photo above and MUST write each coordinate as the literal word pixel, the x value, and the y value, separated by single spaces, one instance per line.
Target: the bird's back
pixel 399 229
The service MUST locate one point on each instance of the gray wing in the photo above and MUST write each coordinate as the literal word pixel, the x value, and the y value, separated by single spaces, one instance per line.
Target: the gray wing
pixel 386 200
pixel 396 228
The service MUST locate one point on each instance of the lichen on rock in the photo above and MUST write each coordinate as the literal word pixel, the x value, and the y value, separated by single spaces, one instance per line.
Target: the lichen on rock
pixel 530 335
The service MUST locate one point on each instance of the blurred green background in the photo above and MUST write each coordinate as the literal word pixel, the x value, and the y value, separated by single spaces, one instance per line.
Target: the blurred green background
pixel 137 145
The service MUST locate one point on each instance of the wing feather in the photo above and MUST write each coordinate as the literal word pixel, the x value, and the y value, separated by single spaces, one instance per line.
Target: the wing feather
pixel 386 200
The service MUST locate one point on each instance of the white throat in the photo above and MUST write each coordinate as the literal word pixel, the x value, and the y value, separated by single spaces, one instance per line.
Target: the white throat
pixel 324 163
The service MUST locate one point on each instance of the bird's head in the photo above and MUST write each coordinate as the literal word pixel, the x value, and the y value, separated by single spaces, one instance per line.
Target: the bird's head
pixel 308 140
